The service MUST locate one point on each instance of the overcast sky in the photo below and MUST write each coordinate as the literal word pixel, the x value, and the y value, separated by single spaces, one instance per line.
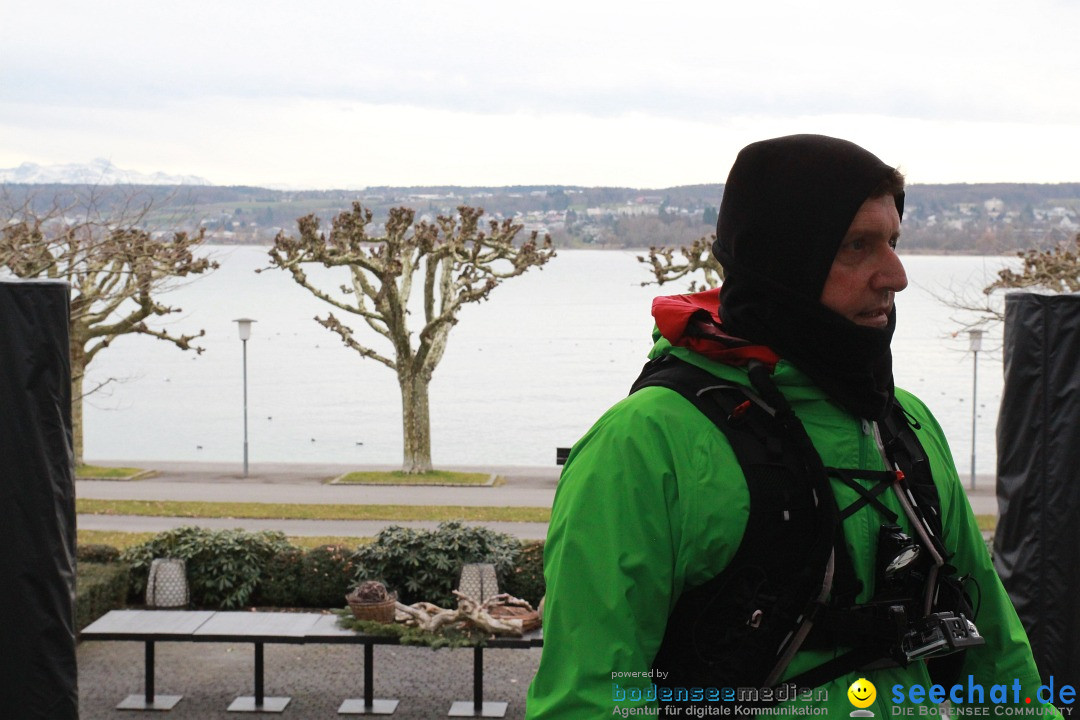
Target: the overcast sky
pixel 350 94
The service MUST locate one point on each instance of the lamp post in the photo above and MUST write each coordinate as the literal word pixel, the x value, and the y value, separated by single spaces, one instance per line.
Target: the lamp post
pixel 975 345
pixel 244 326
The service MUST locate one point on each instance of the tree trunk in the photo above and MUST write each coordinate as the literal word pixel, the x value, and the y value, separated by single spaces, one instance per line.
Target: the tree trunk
pixel 78 367
pixel 416 421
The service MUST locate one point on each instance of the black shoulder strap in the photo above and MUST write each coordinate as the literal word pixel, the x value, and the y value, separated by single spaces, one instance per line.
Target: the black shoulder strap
pixel 904 449
pixel 737 627
pixel 695 385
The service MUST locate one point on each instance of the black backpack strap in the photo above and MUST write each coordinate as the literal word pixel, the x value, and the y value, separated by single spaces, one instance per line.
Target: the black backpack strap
pixel 902 446
pixel 883 480
pixel 695 385
pixel 742 626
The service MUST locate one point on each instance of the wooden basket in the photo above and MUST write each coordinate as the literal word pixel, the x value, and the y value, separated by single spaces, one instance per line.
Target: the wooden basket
pixel 530 619
pixel 379 612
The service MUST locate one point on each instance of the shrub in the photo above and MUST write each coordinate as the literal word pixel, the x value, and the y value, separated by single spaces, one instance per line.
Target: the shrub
pixel 326 576
pixel 426 564
pixel 100 587
pixel 280 583
pixel 526 579
pixel 96 553
pixel 223 567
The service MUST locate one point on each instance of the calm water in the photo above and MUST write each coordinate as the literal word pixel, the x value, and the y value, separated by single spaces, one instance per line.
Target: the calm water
pixel 526 372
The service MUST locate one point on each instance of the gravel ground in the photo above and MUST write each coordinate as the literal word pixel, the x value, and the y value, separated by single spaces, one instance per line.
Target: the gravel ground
pixel 317 678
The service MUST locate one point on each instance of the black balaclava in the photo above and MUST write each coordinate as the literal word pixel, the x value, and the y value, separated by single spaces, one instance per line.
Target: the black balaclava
pixel 787 205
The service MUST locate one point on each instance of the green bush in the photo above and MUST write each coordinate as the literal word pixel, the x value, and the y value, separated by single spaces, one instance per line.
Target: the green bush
pixel 326 576
pixel 526 579
pixel 96 553
pixel 280 583
pixel 425 565
pixel 223 567
pixel 99 588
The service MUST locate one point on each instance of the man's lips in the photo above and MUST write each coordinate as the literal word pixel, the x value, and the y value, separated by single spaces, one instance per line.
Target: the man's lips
pixel 877 317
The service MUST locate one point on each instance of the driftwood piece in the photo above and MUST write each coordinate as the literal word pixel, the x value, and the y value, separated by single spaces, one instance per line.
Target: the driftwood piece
pixel 432 618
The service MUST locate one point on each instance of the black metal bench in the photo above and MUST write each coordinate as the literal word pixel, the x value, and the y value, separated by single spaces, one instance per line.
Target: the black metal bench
pixel 151 626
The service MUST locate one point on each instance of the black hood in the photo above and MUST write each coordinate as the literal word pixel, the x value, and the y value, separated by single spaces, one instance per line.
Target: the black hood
pixel 787 205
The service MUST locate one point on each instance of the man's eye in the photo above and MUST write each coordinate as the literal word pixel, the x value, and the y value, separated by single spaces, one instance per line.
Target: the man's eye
pixel 893 242
pixel 856 245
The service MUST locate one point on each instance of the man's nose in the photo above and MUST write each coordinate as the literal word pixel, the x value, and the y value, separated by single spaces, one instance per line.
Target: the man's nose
pixel 890 275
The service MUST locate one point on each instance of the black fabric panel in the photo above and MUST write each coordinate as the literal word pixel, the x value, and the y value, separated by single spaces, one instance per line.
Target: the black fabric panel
pixel 1037 543
pixel 38 677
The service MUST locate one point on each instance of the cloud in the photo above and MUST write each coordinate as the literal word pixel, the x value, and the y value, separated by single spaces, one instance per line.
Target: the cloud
pixel 957 61
pixel 555 92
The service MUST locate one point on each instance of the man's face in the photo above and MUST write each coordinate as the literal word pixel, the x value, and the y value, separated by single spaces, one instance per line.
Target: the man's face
pixel 866 272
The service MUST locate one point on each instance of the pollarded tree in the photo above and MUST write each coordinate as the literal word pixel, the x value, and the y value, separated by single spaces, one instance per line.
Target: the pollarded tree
pixel 695 260
pixel 452 260
pixel 116 271
pixel 1056 269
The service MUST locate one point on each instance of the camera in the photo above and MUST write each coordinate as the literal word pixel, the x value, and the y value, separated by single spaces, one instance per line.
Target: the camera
pixel 939 634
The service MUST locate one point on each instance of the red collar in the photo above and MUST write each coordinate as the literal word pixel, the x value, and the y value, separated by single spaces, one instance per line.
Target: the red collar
pixel 693 322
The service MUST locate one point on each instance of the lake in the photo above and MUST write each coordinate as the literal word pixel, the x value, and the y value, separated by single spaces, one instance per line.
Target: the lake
pixel 524 373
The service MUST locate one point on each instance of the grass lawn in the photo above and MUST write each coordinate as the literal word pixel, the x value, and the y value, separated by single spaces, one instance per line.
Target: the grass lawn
pixel 123 540
pixel 106 473
pixel 284 511
pixel 396 477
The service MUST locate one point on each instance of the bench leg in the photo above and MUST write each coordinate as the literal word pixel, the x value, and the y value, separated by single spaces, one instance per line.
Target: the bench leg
pixel 148 663
pixel 148 700
pixel 259 703
pixel 478 708
pixel 259 667
pixel 369 705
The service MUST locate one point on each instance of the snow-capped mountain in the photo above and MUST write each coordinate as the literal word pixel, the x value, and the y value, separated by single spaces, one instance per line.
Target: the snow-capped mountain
pixel 96 172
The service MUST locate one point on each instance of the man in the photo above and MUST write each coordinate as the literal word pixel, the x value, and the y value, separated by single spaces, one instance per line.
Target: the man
pixel 765 511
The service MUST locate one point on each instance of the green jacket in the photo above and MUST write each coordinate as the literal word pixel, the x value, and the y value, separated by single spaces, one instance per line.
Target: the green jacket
pixel 652 501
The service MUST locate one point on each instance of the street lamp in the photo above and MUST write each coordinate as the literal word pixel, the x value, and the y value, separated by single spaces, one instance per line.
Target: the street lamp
pixel 975 340
pixel 244 326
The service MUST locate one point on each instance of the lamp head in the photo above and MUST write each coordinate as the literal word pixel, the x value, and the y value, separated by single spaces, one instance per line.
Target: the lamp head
pixel 244 326
pixel 975 339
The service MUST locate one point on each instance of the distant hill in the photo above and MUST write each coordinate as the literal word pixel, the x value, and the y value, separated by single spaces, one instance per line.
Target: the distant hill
pixel 959 218
pixel 98 171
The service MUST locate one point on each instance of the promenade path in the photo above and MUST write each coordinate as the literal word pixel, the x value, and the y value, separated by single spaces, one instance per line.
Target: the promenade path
pixel 308 484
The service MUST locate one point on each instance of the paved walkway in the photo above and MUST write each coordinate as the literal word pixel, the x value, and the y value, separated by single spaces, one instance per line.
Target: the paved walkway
pixel 307 484
pixel 318 678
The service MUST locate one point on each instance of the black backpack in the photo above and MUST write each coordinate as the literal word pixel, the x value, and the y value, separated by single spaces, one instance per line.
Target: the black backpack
pixel 790 584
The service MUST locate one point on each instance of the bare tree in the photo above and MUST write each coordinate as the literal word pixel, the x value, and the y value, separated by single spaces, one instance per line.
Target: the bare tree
pixel 116 271
pixel 452 260
pixel 696 260
pixel 1055 269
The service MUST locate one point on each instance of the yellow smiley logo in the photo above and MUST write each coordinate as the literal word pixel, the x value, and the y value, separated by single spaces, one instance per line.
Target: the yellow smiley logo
pixel 862 693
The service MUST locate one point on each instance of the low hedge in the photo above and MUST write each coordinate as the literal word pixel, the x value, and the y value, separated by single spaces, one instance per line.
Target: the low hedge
pixel 96 553
pixel 99 588
pixel 425 565
pixel 526 579
pixel 232 568
pixel 224 567
pixel 280 582
pixel 326 576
